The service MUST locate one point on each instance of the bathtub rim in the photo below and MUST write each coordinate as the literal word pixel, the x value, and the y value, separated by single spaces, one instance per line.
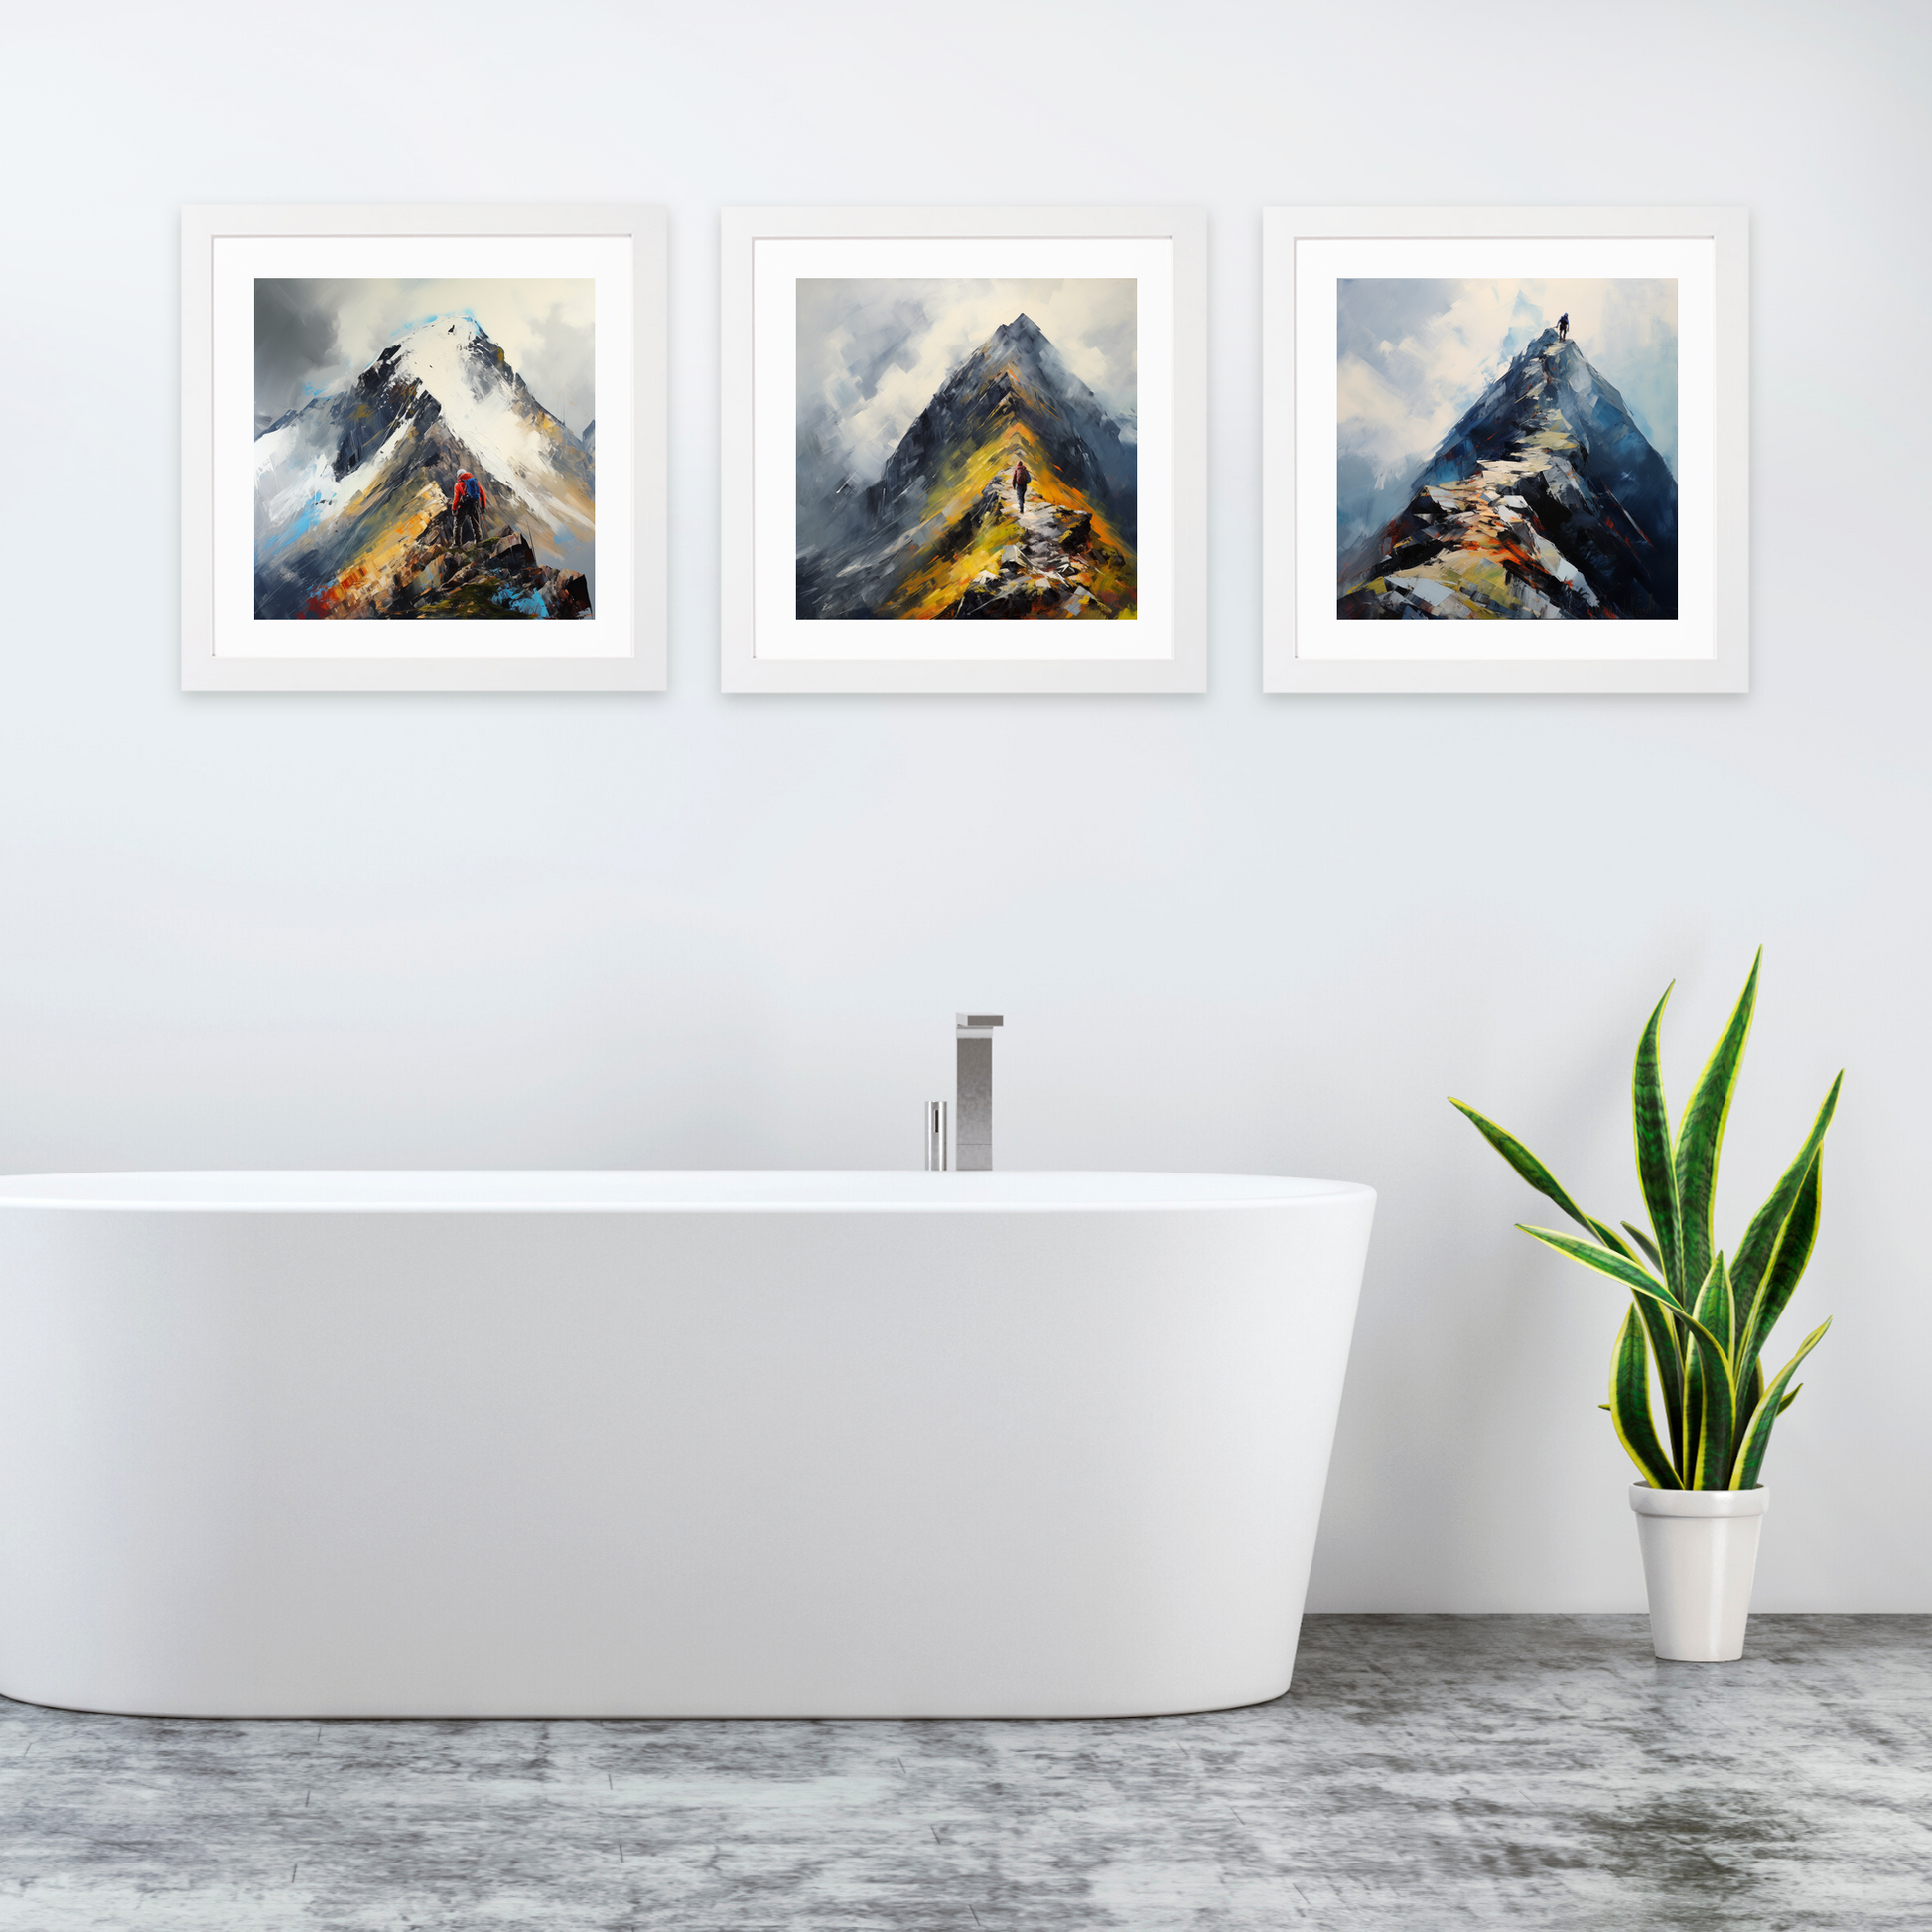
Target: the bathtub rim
pixel 647 1190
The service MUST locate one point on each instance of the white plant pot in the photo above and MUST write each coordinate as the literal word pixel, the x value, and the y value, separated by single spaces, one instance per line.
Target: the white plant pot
pixel 1699 1552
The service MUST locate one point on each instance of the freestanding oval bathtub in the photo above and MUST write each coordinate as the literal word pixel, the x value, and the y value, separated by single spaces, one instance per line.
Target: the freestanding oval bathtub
pixel 771 1444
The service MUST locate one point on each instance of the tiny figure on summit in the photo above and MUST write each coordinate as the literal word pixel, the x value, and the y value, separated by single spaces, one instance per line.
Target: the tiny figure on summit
pixel 1022 476
pixel 1562 325
pixel 467 504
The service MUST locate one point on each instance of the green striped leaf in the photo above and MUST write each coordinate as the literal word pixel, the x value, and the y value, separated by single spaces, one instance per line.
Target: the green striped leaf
pixel 1705 1363
pixel 1786 1266
pixel 1667 1349
pixel 1711 1388
pixel 1755 1436
pixel 1526 1165
pixel 1693 1399
pixel 1630 1405
pixel 1656 1168
pixel 1644 1242
pixel 1716 1419
pixel 1693 1410
pixel 1611 1239
pixel 1717 1305
pixel 1699 1135
pixel 1626 1271
pixel 1790 1396
pixel 1619 1267
pixel 1772 1230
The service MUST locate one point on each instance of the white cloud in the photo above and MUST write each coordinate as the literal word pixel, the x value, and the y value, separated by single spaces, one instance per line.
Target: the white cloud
pixel 546 327
pixel 1377 421
pixel 1089 319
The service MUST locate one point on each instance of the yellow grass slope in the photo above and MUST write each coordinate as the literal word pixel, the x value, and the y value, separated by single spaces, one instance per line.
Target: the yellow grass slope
pixel 971 554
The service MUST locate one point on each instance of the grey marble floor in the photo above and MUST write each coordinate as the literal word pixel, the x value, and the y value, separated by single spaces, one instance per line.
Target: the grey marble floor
pixel 1424 1772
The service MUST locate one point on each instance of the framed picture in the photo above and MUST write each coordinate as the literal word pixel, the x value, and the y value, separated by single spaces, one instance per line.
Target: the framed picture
pixel 423 448
pixel 1523 433
pixel 964 450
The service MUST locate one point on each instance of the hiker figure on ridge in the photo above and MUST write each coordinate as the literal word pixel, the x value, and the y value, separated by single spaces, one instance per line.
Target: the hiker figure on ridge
pixel 467 504
pixel 1562 325
pixel 1022 476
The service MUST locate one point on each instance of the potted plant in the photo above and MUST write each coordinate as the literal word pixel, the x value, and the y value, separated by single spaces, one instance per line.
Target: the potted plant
pixel 1699 1323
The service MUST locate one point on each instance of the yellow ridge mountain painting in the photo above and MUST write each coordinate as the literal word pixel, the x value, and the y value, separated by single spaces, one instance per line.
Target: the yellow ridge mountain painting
pixel 960 455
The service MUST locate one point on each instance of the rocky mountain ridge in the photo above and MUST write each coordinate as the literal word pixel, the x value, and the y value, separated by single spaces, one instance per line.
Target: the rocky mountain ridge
pixel 940 532
pixel 1544 501
pixel 440 576
pixel 351 490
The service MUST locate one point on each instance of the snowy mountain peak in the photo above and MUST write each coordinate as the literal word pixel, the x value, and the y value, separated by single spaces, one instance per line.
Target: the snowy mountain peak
pixel 377 461
pixel 452 356
pixel 443 347
pixel 463 326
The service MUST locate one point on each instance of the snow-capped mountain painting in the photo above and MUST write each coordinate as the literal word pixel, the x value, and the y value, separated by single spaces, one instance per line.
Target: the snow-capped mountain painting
pixel 414 456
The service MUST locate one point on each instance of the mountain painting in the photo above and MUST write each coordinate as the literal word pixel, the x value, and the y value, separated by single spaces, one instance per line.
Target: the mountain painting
pixel 1506 449
pixel 425 449
pixel 966 449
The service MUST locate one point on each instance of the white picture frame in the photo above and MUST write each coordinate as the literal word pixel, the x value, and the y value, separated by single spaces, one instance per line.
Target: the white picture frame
pixel 226 644
pixel 1307 645
pixel 766 646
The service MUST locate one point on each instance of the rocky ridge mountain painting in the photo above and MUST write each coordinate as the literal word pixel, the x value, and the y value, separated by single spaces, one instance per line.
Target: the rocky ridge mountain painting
pixel 1549 495
pixel 960 457
pixel 406 469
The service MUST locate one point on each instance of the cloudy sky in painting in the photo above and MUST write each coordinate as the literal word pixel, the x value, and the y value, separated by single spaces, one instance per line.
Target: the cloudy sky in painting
pixel 870 353
pixel 1415 354
pixel 311 336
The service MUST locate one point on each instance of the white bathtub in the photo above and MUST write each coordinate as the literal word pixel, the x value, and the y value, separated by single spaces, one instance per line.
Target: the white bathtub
pixel 774 1445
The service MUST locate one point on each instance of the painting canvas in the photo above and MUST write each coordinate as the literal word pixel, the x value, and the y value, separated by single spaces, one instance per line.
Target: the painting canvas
pixel 425 449
pixel 967 449
pixel 1506 448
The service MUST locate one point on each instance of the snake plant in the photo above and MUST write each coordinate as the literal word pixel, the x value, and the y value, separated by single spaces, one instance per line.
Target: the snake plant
pixel 1699 1322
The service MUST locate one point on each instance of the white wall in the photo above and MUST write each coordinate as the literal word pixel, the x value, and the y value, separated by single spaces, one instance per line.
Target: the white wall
pixel 1229 933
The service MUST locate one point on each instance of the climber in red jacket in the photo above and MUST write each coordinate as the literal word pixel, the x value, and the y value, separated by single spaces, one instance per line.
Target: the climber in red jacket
pixel 467 503
pixel 1022 476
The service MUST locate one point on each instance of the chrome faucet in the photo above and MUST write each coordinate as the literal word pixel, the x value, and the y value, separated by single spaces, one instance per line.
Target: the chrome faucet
pixel 973 1105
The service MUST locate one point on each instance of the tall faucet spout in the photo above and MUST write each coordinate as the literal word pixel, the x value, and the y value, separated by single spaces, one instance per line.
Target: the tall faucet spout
pixel 973 1100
